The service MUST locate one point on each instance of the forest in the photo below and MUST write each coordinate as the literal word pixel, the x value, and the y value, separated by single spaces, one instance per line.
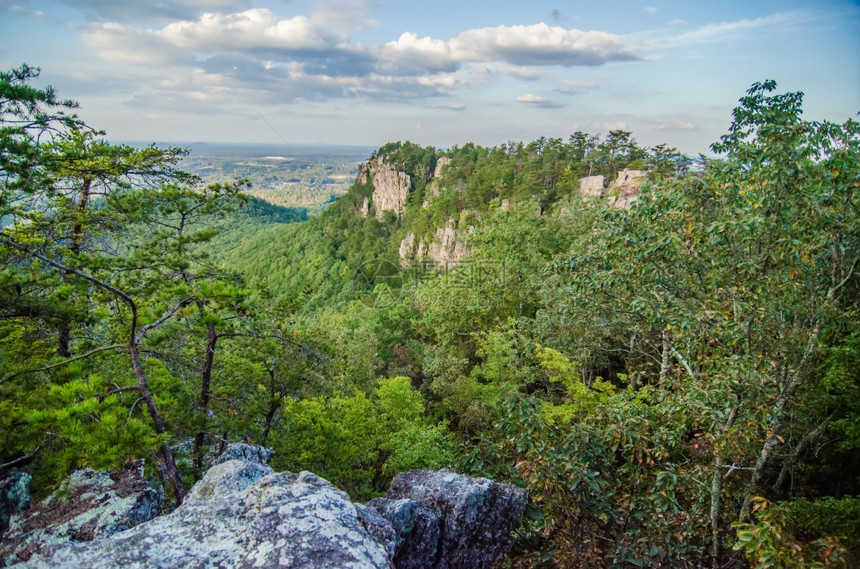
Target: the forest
pixel 675 383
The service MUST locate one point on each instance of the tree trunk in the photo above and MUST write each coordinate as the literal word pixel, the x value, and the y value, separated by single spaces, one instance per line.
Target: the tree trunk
pixel 269 417
pixel 169 464
pixel 716 491
pixel 667 349
pixel 64 333
pixel 205 384
pixel 809 438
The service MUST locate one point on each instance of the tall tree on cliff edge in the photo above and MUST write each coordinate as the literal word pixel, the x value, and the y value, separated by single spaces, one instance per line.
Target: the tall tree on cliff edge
pixel 65 200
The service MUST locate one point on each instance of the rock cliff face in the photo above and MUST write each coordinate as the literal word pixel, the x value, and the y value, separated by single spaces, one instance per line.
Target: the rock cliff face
pixel 433 187
pixel 445 249
pixel 242 514
pixel 622 192
pixel 390 187
pixel 625 189
pixel 592 186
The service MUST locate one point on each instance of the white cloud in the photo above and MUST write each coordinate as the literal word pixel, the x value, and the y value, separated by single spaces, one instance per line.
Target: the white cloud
pixel 538 44
pixel 651 9
pixel 427 53
pixel 537 101
pixel 730 31
pixel 135 12
pixel 312 57
pixel 677 22
pixel 345 15
pixel 252 29
pixel 121 43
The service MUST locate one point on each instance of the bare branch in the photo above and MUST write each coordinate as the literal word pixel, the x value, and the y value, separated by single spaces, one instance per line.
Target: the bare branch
pixel 27 456
pixel 167 316
pixel 832 292
pixel 103 396
pixel 683 362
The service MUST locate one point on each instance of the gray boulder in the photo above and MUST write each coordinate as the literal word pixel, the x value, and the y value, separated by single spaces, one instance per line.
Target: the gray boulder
pixel 445 520
pixel 416 529
pixel 240 514
pixel 14 497
pixel 88 505
pixel 244 452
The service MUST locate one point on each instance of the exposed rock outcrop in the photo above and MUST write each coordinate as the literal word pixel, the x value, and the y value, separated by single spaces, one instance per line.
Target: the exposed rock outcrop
pixel 433 187
pixel 14 497
pixel 445 520
pixel 88 505
pixel 446 249
pixel 592 186
pixel 622 192
pixel 390 187
pixel 245 452
pixel 407 249
pixel 625 189
pixel 242 514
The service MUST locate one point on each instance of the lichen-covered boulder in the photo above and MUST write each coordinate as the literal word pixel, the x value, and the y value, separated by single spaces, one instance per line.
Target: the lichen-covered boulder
pixel 88 505
pixel 240 515
pixel 245 452
pixel 14 497
pixel 445 520
pixel 416 529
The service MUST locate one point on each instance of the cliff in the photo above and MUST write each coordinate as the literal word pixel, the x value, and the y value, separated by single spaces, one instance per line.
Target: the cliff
pixel 445 249
pixel 622 192
pixel 390 187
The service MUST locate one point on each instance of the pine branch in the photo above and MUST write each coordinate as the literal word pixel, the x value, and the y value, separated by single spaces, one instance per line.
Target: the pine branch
pixel 62 363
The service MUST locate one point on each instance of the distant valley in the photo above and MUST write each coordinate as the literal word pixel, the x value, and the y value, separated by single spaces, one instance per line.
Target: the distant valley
pixel 300 176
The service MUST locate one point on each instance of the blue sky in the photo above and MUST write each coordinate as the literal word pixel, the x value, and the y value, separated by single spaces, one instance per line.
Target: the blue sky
pixel 442 73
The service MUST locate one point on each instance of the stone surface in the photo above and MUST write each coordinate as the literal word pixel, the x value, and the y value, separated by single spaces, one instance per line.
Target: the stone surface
pixel 625 189
pixel 433 187
pixel 14 497
pixel 445 520
pixel 390 187
pixel 88 505
pixel 446 249
pixel 240 515
pixel 592 186
pixel 416 529
pixel 407 249
pixel 245 452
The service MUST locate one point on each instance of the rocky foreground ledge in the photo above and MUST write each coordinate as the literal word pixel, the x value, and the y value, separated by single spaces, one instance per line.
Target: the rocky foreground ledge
pixel 243 514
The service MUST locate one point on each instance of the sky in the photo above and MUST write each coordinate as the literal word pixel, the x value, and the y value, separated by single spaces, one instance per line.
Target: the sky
pixel 441 73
